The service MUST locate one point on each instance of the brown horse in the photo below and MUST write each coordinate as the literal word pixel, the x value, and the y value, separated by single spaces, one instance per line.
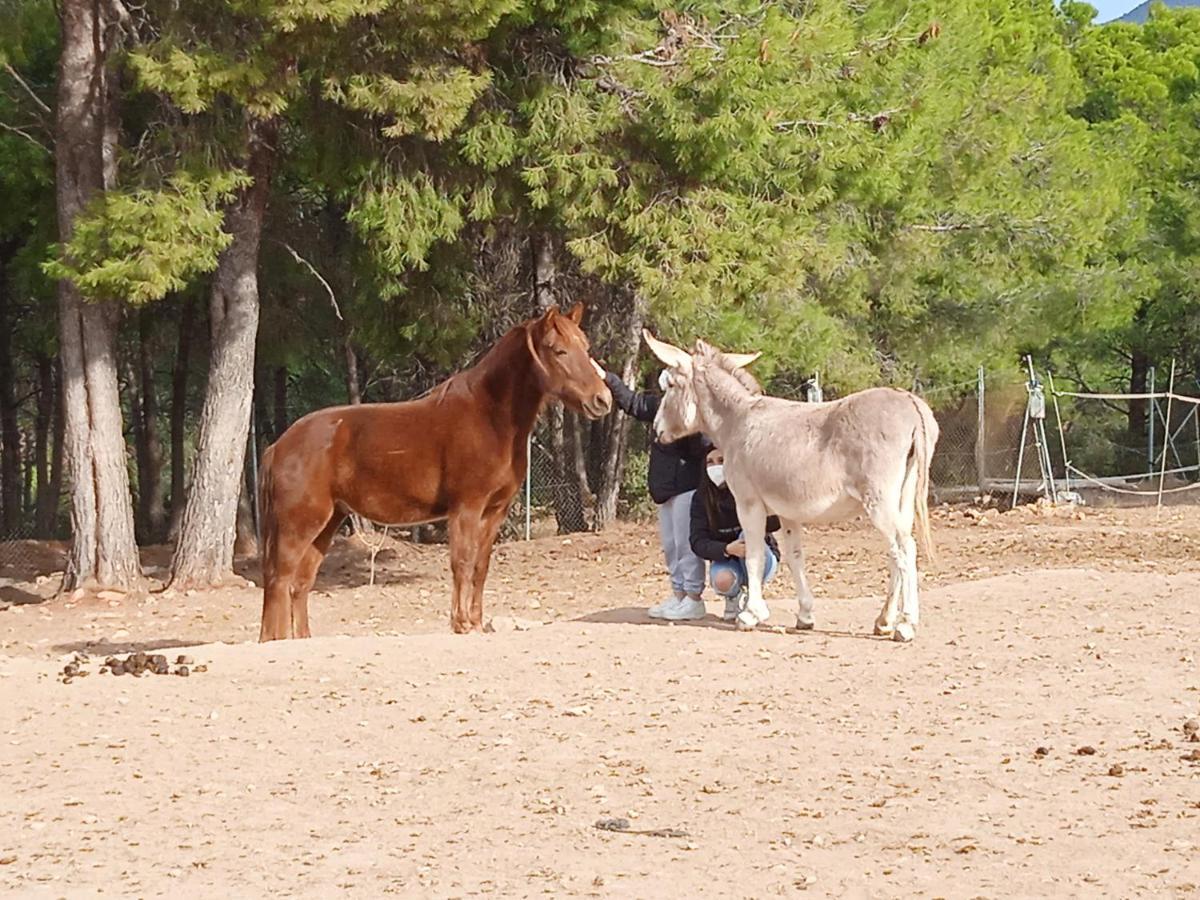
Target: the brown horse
pixel 458 453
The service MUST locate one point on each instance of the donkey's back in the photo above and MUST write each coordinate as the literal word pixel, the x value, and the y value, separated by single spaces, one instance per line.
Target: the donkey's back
pixel 827 462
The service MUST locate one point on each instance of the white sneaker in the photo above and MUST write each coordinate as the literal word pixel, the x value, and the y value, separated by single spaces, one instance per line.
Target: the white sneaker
pixel 686 610
pixel 659 612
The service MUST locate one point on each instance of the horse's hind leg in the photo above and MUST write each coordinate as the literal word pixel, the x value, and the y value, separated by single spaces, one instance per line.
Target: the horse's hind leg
pixel 277 607
pixel 893 516
pixel 306 574
pixel 279 583
pixel 793 552
pixel 882 512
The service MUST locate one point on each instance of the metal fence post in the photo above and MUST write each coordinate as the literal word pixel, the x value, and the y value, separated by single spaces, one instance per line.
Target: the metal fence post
pixel 528 480
pixel 980 437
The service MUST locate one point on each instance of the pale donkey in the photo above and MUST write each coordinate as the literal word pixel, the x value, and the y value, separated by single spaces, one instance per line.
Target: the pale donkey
pixel 809 463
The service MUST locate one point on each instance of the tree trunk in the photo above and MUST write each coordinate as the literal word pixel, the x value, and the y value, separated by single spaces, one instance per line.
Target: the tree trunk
pixel 151 486
pixel 353 389
pixel 103 550
pixel 45 504
pixel 246 541
pixel 1139 370
pixel 568 499
pixel 264 428
pixel 281 410
pixel 48 516
pixel 608 486
pixel 179 390
pixel 204 553
pixel 139 446
pixel 27 494
pixel 10 434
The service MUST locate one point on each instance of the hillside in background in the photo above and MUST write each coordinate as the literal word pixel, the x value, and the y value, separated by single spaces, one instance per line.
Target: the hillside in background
pixel 1140 14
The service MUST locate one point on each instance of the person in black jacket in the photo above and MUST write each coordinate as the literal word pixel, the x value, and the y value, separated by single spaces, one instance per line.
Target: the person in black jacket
pixel 716 535
pixel 673 477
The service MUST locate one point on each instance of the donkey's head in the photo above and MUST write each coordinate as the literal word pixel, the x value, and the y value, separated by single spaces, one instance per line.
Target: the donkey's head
pixel 679 414
pixel 565 368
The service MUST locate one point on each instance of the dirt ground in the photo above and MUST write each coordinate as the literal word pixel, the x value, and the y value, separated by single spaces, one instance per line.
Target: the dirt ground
pixel 387 756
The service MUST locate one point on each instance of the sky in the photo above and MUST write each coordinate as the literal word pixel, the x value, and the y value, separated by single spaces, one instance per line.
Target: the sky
pixel 1112 9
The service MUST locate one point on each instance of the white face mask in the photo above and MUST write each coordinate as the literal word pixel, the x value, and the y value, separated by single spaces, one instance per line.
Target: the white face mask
pixel 716 474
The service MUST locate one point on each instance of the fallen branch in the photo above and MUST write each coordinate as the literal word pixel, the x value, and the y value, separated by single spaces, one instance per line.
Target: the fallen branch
pixel 621 826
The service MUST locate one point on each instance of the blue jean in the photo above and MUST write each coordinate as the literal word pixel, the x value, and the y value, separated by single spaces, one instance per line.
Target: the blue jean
pixel 737 567
pixel 674 522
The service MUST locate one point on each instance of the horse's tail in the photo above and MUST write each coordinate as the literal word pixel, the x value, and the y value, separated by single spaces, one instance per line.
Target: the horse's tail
pixel 266 513
pixel 925 438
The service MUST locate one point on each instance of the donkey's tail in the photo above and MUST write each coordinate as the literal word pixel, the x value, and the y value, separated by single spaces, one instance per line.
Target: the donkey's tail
pixel 266 513
pixel 924 440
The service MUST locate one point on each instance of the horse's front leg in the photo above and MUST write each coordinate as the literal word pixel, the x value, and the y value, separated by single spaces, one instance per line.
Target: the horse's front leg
pixel 753 516
pixel 492 520
pixel 466 532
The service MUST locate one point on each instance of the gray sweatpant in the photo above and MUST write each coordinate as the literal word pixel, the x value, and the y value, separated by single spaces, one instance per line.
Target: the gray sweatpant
pixel 674 529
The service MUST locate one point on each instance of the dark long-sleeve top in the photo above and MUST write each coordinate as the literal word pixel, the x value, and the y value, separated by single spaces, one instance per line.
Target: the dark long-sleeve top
pixel 674 468
pixel 709 542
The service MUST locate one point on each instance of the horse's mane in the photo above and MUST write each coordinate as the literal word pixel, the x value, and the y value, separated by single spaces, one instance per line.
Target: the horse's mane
pixel 486 360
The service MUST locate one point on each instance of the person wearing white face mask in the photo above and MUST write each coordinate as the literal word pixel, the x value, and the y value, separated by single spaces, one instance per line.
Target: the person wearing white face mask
pixel 716 535
pixel 674 474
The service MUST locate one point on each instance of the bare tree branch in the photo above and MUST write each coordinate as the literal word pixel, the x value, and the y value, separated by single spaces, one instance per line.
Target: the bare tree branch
pixel 955 226
pixel 25 134
pixel 877 120
pixel 304 262
pixel 16 76
pixel 793 124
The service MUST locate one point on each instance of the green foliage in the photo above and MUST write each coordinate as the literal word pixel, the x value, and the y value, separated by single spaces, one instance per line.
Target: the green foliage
pixel 403 217
pixel 1141 104
pixel 431 101
pixel 142 244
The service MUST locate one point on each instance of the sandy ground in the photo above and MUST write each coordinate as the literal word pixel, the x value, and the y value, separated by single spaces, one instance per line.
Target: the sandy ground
pixel 390 757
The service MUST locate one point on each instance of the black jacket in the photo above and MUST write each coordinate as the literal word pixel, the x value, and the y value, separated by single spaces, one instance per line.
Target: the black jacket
pixel 708 542
pixel 674 468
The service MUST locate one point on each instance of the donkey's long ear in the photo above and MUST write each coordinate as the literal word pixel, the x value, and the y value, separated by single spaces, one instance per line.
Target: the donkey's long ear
pixel 576 313
pixel 740 360
pixel 671 356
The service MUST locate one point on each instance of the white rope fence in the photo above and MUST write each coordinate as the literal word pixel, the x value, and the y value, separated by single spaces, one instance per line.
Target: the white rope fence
pixel 1159 395
pixel 1119 485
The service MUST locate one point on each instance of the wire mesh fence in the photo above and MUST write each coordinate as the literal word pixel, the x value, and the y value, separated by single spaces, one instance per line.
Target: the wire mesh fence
pixel 19 554
pixel 1106 447
pixel 1102 449
pixel 549 501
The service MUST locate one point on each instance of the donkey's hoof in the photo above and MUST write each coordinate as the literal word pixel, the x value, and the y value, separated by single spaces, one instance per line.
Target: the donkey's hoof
pixel 883 629
pixel 804 626
pixel 904 633
pixel 746 621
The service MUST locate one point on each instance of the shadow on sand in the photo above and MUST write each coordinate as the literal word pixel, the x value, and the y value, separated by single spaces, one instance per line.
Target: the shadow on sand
pixel 632 615
pixel 343 570
pixel 105 647
pixel 10 595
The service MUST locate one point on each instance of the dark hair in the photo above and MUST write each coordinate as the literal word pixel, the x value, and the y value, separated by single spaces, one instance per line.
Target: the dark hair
pixel 709 493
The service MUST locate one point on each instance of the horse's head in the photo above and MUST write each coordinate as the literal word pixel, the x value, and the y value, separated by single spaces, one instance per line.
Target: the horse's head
pixel 560 352
pixel 679 413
